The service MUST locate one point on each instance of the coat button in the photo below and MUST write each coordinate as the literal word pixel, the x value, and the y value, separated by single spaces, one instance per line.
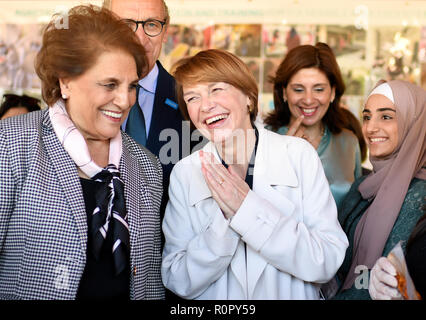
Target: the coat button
pixel 134 271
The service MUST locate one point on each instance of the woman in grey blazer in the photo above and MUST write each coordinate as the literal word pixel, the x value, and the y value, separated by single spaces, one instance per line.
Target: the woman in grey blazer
pixel 79 204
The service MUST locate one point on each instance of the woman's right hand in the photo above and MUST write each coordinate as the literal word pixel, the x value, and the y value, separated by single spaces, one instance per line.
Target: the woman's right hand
pixel 296 129
pixel 383 284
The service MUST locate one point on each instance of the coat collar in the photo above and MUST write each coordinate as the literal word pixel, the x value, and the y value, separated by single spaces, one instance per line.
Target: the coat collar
pixel 272 166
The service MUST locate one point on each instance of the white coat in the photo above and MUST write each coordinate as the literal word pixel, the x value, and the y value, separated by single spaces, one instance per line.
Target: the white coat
pixel 288 221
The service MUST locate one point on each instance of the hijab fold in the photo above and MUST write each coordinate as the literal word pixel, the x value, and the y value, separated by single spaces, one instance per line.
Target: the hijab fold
pixel 388 184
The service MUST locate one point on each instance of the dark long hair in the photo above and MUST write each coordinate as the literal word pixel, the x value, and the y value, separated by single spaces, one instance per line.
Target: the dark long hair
pixel 321 57
pixel 10 100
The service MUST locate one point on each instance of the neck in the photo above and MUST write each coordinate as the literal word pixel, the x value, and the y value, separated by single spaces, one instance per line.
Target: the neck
pixel 315 130
pixel 99 151
pixel 236 151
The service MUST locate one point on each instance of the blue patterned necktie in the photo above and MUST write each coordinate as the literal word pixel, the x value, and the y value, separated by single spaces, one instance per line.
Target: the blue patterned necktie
pixel 135 126
pixel 110 215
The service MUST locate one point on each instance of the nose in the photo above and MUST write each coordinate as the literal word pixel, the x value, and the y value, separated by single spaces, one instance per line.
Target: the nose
pixel 370 125
pixel 124 99
pixel 308 97
pixel 207 104
pixel 143 38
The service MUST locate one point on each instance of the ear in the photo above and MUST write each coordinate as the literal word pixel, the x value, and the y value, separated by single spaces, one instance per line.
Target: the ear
pixel 284 95
pixel 166 33
pixel 249 101
pixel 333 94
pixel 65 87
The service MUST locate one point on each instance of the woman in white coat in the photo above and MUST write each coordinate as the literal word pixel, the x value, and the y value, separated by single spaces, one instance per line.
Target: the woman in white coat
pixel 250 216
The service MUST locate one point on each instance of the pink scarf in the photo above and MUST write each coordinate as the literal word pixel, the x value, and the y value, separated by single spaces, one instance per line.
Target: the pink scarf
pixel 389 181
pixel 74 143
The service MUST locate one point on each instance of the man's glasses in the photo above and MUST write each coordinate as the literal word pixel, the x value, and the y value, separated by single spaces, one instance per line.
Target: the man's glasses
pixel 151 27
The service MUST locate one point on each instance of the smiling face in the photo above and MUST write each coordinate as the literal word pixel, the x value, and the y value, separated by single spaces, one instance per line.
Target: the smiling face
pixel 142 10
pixel 380 127
pixel 217 109
pixel 309 93
pixel 100 99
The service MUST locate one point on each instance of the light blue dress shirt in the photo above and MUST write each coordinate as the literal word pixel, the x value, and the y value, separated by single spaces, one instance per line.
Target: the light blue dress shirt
pixel 340 156
pixel 146 97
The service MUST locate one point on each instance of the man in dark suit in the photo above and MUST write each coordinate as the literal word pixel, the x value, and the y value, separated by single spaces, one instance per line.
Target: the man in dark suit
pixel 159 127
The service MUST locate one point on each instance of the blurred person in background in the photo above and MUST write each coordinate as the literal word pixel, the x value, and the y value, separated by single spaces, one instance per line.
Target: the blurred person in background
pixel 13 105
pixel 308 86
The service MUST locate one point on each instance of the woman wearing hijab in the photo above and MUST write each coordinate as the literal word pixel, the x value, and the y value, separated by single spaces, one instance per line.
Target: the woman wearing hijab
pixel 76 193
pixel 251 215
pixel 382 209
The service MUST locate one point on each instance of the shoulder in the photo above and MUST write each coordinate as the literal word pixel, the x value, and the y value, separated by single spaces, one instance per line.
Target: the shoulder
pixel 24 129
pixel 31 120
pixel 164 76
pixel 346 136
pixel 184 168
pixel 293 146
pixel 145 157
pixel 416 194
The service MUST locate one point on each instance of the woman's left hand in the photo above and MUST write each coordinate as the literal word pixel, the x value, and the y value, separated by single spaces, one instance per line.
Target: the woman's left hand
pixel 227 188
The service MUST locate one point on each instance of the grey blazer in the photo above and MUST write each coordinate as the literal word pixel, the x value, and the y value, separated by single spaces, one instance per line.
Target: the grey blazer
pixel 43 223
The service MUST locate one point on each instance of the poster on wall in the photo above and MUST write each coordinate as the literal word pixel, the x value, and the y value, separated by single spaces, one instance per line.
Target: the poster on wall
pixel 240 39
pixel 279 39
pixel 19 45
pixel 349 46
pixel 397 53
pixel 184 40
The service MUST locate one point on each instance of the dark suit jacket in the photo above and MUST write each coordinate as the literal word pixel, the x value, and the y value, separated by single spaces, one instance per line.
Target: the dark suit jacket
pixel 167 144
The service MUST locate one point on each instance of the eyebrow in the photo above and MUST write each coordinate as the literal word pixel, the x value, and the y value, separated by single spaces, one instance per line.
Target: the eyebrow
pixel 315 84
pixel 188 93
pixel 117 81
pixel 380 110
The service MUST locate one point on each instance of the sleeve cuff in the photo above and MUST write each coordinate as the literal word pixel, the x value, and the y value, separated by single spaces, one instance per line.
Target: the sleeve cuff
pixel 253 222
pixel 221 239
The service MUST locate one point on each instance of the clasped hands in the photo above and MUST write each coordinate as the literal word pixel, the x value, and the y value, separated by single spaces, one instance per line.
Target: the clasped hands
pixel 227 188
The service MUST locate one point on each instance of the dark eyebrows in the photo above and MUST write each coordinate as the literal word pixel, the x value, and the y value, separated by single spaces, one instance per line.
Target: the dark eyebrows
pixel 114 80
pixel 111 80
pixel 295 84
pixel 380 110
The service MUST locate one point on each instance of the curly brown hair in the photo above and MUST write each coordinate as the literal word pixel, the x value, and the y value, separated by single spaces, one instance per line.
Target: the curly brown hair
pixel 69 52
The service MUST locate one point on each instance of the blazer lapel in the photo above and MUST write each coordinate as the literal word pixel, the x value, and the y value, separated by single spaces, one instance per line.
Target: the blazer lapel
pixel 67 174
pixel 164 93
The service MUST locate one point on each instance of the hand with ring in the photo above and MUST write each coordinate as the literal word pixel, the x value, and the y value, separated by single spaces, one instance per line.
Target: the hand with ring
pixel 227 188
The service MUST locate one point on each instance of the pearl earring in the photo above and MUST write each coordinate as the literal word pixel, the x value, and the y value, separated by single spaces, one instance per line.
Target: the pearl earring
pixel 64 96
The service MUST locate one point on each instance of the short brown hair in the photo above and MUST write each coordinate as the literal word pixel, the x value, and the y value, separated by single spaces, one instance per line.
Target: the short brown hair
pixel 71 51
pixel 215 66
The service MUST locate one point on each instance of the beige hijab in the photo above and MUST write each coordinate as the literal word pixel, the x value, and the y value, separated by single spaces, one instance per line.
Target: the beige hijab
pixel 387 185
